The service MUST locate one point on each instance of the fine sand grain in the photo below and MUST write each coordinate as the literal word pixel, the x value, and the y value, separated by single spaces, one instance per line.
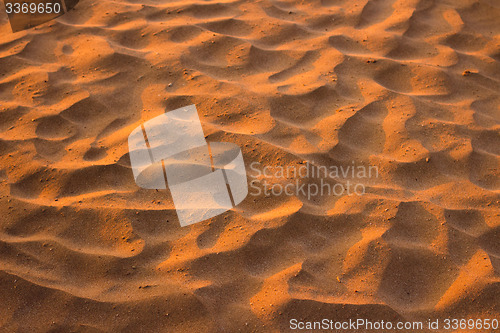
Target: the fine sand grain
pixel 409 86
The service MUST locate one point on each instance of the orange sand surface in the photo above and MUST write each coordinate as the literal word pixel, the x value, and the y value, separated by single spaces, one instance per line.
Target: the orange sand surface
pixel 409 86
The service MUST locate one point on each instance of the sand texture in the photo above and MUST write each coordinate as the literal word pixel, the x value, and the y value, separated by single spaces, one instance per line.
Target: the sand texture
pixel 409 86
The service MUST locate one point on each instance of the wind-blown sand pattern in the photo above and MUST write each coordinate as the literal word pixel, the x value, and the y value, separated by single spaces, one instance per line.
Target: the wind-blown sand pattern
pixel 409 86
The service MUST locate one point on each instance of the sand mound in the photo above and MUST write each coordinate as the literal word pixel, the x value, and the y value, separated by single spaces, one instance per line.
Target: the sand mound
pixel 411 87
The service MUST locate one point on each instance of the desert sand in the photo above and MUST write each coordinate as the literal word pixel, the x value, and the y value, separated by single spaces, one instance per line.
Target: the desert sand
pixel 409 86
